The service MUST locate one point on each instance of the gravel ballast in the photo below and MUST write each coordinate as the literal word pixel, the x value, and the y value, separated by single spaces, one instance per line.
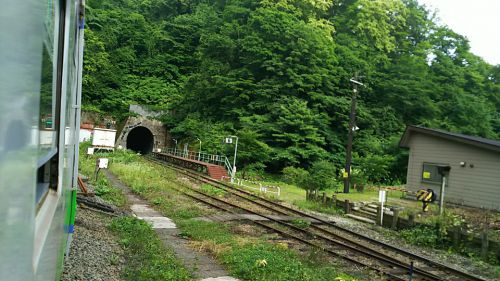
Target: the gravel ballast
pixel 94 253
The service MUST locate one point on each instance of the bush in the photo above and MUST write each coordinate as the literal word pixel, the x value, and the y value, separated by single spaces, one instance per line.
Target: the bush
pixel 254 171
pixel 296 176
pixel 322 176
pixel 422 236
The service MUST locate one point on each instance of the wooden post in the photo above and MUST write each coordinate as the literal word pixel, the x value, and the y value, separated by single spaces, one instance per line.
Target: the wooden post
pixel 395 218
pixel 484 243
pixel 347 206
pixel 324 198
pixel 456 236
pixel 379 214
pixel 411 220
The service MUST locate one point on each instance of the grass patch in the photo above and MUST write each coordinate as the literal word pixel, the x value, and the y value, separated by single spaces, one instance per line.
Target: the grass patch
pixel 300 223
pixel 147 259
pixel 102 188
pixel 317 207
pixel 114 195
pixel 271 262
pixel 257 260
pixel 212 190
pixel 201 230
pixel 157 184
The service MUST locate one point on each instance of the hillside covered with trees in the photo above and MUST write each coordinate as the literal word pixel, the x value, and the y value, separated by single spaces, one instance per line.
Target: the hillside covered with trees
pixel 276 73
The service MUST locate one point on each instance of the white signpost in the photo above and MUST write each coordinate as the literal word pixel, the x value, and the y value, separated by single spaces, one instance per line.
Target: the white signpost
pixel 229 140
pixel 381 199
pixel 101 163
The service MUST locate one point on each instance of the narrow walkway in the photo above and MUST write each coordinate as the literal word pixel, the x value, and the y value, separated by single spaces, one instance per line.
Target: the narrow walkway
pixel 204 267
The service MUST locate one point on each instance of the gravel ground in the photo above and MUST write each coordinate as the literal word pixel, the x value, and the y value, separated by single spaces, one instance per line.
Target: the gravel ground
pixel 388 236
pixel 94 255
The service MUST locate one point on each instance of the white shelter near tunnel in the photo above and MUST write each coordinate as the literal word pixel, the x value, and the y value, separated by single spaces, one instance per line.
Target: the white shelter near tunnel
pixel 474 177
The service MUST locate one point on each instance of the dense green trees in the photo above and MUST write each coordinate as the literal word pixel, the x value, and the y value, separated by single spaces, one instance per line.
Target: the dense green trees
pixel 276 73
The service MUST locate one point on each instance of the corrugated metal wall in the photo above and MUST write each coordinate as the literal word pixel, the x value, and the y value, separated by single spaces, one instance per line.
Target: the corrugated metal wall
pixel 477 186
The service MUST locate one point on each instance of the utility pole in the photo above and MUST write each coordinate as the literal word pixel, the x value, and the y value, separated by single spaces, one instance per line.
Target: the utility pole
pixel 352 124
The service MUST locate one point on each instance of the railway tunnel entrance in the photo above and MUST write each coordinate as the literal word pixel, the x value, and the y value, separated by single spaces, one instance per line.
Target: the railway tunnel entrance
pixel 140 139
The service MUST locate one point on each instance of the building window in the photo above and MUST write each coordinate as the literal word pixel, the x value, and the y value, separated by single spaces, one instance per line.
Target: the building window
pixel 430 173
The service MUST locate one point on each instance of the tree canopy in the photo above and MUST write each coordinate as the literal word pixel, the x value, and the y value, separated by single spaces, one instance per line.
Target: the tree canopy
pixel 276 73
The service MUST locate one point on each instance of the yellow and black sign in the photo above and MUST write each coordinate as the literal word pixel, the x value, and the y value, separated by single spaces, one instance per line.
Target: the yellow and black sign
pixel 426 196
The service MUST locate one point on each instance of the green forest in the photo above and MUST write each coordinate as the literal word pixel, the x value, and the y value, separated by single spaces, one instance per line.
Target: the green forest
pixel 276 74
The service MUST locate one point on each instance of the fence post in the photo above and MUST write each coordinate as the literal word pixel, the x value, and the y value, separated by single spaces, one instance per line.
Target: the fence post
pixel 379 213
pixel 411 220
pixel 347 206
pixel 324 198
pixel 395 218
pixel 484 242
pixel 334 200
pixel 456 236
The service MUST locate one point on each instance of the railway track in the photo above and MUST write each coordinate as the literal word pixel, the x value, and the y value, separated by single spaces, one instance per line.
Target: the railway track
pixel 392 262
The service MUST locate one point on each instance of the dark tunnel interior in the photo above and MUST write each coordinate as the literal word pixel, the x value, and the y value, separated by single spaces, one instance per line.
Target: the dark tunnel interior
pixel 141 140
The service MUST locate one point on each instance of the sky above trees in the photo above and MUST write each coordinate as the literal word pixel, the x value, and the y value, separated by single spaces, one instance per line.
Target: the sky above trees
pixel 477 20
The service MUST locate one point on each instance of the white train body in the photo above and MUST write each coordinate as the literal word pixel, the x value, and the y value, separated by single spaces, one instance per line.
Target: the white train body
pixel 41 43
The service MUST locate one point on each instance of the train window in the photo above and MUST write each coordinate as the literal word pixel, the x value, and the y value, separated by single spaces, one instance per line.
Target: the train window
pixel 46 180
pixel 49 103
pixel 48 100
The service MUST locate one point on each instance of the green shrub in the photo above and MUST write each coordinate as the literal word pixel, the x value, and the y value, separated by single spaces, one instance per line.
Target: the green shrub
pixel 297 176
pixel 422 236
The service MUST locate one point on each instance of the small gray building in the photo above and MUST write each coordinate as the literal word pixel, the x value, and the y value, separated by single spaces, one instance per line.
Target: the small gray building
pixel 474 177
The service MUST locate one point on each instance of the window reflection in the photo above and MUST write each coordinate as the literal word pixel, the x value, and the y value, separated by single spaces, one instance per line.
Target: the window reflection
pixel 47 126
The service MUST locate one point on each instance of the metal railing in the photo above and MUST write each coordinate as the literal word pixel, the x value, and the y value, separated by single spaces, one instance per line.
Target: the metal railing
pixel 220 160
pixel 255 185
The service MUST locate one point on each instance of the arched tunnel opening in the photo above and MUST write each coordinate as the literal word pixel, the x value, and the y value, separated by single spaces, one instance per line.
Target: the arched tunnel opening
pixel 141 140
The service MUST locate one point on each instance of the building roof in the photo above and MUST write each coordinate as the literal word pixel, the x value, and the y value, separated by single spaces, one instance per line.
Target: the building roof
pixel 466 139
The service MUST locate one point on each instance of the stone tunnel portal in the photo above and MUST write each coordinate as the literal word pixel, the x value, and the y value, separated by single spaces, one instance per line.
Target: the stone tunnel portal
pixel 140 139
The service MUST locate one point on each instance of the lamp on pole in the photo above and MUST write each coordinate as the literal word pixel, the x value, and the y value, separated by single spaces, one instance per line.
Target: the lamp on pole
pixel 230 140
pixel 352 128
pixel 175 149
pixel 199 151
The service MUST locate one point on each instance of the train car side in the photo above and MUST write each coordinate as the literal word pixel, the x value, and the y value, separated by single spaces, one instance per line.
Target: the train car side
pixel 40 78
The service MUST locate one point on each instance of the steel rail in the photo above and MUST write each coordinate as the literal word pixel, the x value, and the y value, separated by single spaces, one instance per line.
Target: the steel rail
pixel 434 265
pixel 284 233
